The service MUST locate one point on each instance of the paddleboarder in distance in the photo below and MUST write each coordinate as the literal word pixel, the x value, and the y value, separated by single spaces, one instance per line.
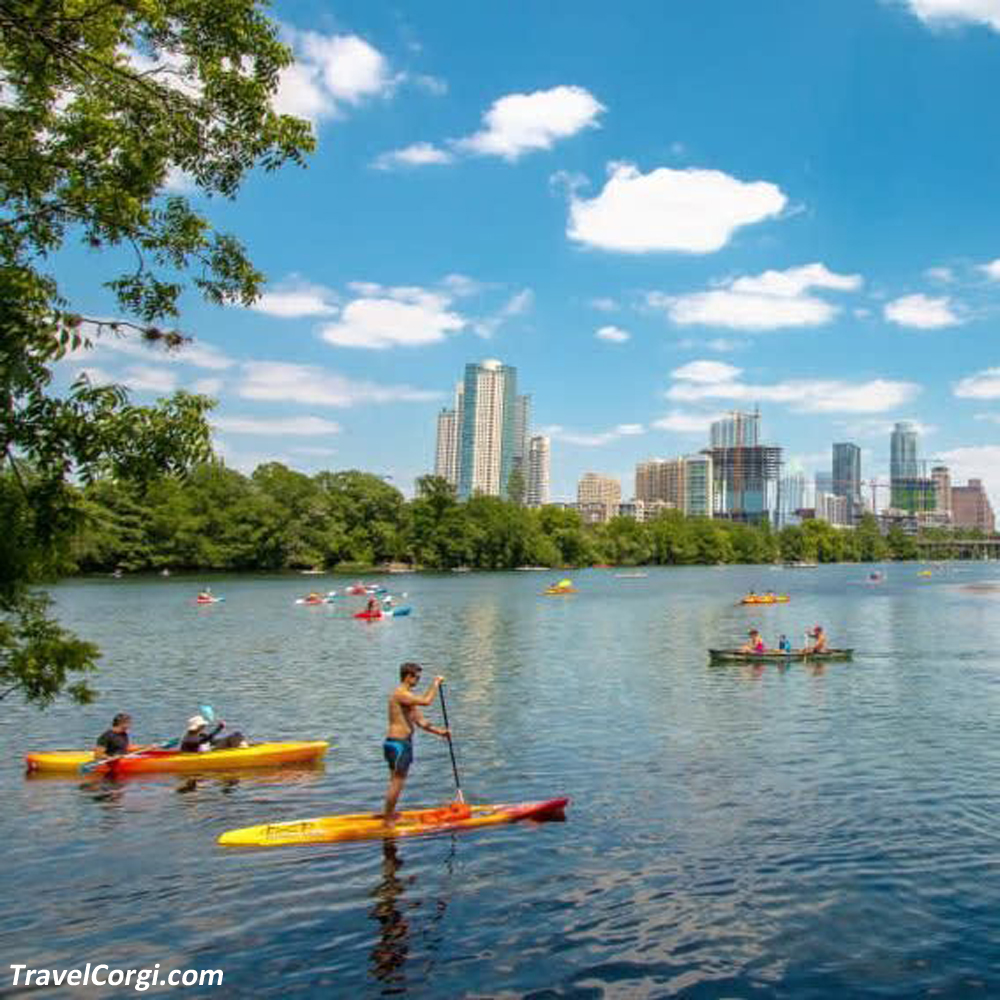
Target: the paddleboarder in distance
pixel 404 714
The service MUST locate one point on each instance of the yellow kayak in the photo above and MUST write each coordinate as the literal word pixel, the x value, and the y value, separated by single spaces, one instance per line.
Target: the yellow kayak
pixel 411 823
pixel 150 761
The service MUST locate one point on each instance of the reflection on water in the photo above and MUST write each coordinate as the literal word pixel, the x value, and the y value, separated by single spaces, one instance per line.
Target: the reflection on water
pixel 799 830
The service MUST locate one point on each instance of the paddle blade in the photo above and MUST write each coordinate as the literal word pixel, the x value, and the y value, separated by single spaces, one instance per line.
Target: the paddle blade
pixel 207 713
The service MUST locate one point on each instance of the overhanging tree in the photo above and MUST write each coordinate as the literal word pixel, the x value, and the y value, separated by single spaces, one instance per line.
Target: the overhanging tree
pixel 102 102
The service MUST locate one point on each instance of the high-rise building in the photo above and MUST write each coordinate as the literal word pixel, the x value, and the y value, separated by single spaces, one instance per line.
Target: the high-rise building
pixel 449 436
pixel 847 477
pixel 594 490
pixel 793 497
pixel 683 483
pixel 538 469
pixel 910 491
pixel 971 508
pixel 522 430
pixel 942 490
pixel 745 472
pixel 487 439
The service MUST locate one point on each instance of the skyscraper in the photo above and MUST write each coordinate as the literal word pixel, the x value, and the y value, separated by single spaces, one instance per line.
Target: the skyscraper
pixel 537 480
pixel 683 483
pixel 487 440
pixel 449 436
pixel 597 491
pixel 745 472
pixel 942 490
pixel 847 477
pixel 909 491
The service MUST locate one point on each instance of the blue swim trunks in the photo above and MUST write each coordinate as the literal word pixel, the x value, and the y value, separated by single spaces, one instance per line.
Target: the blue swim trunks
pixel 398 755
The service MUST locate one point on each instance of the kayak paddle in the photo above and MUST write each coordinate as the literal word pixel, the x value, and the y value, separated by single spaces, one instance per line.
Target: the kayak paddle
pixel 92 765
pixel 451 748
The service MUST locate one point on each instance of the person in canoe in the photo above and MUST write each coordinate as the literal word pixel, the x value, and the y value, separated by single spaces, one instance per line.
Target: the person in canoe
pixel 114 742
pixel 404 715
pixel 197 738
pixel 819 641
pixel 754 644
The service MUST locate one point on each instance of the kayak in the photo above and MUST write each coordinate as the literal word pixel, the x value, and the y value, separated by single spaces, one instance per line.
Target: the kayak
pixel 412 823
pixel 311 600
pixel 209 600
pixel 777 599
pixel 778 656
pixel 148 761
pixel 556 591
pixel 373 616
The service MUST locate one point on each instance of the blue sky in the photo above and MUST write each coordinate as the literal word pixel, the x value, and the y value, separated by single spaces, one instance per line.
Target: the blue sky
pixel 656 212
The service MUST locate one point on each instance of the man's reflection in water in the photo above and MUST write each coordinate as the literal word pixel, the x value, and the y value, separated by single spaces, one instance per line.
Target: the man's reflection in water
pixel 393 946
pixel 398 937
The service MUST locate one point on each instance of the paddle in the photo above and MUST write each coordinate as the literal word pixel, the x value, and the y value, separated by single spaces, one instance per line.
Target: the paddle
pixel 451 748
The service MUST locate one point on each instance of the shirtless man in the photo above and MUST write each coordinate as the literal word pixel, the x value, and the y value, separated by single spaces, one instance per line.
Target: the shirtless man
pixel 404 714
pixel 819 640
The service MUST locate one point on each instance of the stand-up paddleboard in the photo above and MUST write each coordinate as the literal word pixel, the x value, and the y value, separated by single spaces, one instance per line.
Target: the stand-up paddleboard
pixel 411 823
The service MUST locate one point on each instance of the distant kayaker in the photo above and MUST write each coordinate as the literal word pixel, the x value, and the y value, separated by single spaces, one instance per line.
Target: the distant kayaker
pixel 373 609
pixel 205 594
pixel 754 644
pixel 404 714
pixel 784 644
pixel 197 738
pixel 114 742
pixel 819 640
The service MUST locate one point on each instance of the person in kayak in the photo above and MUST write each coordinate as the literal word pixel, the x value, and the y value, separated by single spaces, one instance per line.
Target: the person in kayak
pixel 197 738
pixel 374 610
pixel 819 640
pixel 784 644
pixel 404 714
pixel 114 742
pixel 755 643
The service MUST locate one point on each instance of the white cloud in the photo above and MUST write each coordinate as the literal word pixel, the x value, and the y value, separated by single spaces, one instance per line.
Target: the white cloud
pixel 922 312
pixel 714 380
pixel 706 372
pixel 295 298
pixel 521 123
pixel 388 317
pixel 286 427
pixel 279 381
pixel 331 71
pixel 769 301
pixel 434 85
pixel 419 154
pixel 982 385
pixel 686 422
pixel 558 433
pixel 179 181
pixel 944 275
pixel 147 378
pixel 956 12
pixel 208 386
pixel 517 305
pixel 688 211
pixel 462 286
pixel 992 269
pixel 613 334
pixel 605 305
pixel 198 353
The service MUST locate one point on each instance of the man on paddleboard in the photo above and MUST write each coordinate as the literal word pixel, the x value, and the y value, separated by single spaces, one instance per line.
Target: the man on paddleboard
pixel 404 714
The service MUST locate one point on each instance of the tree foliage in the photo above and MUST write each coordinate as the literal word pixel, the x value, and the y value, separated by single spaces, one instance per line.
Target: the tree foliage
pixel 102 102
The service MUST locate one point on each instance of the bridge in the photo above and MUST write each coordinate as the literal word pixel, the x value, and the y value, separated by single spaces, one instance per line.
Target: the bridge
pixel 959 548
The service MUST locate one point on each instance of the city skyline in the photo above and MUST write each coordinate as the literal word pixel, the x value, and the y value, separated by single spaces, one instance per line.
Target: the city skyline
pixel 780 232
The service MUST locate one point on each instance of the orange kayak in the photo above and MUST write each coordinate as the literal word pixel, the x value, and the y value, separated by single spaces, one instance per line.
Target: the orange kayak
pixel 411 823
pixel 150 761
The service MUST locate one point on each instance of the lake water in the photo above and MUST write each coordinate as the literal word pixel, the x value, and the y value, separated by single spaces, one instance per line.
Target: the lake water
pixel 734 831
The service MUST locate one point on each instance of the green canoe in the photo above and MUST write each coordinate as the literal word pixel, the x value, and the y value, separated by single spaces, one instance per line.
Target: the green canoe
pixel 776 656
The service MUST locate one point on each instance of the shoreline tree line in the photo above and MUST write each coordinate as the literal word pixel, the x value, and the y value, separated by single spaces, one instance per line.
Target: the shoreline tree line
pixel 275 519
